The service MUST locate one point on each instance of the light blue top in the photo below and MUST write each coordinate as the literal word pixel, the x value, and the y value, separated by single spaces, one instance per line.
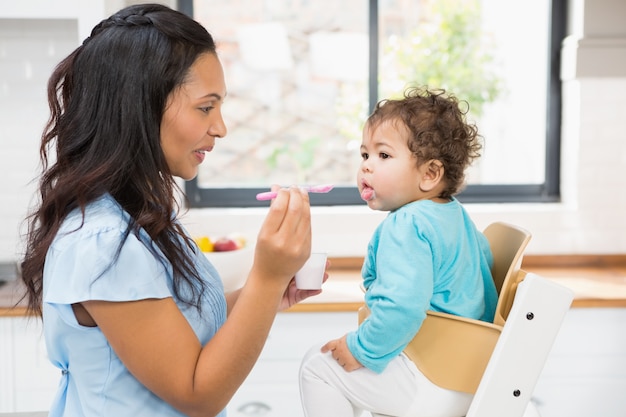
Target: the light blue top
pixel 423 256
pixel 94 382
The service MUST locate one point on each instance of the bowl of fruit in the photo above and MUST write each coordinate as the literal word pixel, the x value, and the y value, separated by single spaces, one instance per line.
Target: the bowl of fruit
pixel 231 255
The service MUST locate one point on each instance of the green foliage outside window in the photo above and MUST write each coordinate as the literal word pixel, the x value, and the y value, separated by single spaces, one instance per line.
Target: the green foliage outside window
pixel 447 49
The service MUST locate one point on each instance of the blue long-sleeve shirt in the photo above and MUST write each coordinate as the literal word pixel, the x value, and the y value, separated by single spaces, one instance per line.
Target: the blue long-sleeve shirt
pixel 423 256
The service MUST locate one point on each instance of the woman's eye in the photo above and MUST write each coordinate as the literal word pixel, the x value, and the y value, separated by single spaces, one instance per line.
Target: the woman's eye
pixel 205 109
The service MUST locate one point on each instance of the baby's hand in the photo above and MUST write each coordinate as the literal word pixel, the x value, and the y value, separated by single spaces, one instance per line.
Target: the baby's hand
pixel 339 350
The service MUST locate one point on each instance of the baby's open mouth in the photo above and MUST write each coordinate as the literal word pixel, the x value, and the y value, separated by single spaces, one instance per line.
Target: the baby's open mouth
pixel 367 192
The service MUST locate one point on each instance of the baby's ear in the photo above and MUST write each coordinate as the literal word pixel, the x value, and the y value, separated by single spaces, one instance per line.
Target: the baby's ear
pixel 432 174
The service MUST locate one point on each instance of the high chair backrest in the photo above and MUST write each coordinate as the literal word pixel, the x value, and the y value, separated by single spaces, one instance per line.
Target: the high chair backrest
pixel 521 351
pixel 508 243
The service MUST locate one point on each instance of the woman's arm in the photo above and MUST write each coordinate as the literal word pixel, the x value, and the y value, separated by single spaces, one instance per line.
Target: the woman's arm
pixel 158 346
pixel 231 300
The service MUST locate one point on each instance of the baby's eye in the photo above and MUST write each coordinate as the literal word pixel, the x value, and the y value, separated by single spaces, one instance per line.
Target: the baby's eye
pixel 364 155
pixel 384 155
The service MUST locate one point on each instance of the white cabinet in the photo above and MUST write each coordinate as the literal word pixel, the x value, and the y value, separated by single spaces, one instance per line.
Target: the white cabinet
pixel 585 375
pixel 6 365
pixel 271 389
pixel 28 380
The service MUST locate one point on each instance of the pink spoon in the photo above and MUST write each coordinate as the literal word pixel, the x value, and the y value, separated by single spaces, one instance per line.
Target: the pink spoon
pixel 313 189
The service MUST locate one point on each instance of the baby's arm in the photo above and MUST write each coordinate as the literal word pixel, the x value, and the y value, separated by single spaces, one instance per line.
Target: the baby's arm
pixel 341 353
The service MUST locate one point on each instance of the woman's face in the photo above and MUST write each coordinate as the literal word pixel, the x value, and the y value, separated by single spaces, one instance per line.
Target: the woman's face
pixel 193 117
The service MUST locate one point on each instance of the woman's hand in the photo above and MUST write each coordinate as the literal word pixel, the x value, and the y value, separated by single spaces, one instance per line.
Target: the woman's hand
pixel 284 241
pixel 293 295
pixel 339 350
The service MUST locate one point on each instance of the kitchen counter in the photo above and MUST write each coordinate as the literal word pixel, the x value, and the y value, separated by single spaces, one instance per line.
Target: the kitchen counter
pixel 10 292
pixel 597 281
pixel 342 292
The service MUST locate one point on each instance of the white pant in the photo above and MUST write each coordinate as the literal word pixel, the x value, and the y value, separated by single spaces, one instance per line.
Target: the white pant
pixel 327 390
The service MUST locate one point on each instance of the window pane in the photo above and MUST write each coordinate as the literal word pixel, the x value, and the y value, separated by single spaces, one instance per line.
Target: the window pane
pixel 296 74
pixel 483 52
pixel 297 78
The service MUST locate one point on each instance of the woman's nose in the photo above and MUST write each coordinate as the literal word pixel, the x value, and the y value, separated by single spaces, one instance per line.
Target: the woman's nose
pixel 217 128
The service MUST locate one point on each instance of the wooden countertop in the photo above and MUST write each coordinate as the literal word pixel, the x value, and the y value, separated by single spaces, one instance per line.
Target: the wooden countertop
pixel 597 281
pixel 10 292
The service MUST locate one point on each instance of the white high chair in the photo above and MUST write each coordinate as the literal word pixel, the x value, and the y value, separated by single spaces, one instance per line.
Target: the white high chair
pixel 522 349
pixel 453 351
pixel 483 358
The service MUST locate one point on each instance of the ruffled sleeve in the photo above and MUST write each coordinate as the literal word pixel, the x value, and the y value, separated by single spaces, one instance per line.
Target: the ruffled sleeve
pixel 82 265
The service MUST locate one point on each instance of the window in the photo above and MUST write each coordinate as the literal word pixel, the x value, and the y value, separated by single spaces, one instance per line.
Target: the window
pixel 302 77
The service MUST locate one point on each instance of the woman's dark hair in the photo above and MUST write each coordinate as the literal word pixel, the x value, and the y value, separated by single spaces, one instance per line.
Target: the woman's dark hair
pixel 437 128
pixel 107 99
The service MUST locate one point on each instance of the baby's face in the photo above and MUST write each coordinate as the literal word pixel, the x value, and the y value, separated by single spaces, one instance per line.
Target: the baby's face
pixel 388 177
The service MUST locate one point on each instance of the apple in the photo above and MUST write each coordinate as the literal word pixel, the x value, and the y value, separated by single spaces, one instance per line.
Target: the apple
pixel 239 239
pixel 225 244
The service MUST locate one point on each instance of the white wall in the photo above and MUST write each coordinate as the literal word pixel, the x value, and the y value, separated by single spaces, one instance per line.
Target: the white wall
pixel 591 219
pixel 47 30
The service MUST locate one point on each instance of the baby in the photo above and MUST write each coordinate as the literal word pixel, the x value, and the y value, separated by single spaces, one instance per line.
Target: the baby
pixel 426 255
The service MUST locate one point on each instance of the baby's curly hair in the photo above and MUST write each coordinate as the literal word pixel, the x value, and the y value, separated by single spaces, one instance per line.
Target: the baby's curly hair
pixel 438 129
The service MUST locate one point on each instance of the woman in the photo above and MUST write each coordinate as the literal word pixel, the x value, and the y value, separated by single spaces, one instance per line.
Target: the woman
pixel 134 315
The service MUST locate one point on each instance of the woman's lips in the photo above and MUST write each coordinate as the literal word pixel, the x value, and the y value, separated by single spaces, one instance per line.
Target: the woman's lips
pixel 199 156
pixel 201 153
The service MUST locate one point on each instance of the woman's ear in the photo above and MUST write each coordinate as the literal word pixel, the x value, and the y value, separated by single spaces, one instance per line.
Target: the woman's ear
pixel 432 175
